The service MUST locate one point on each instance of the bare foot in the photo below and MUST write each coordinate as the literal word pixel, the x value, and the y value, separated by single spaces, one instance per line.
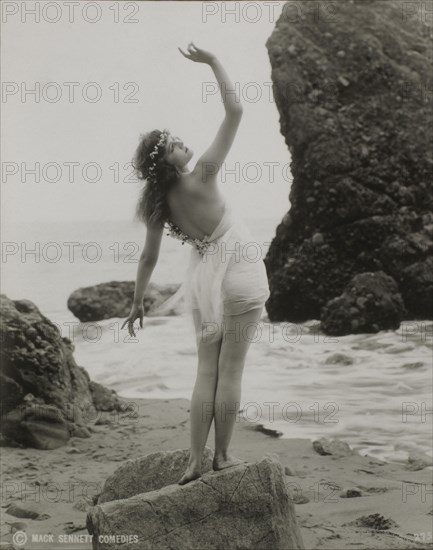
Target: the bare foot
pixel 222 462
pixel 192 472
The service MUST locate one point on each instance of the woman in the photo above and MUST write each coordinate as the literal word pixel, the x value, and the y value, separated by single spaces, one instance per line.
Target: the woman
pixel 224 290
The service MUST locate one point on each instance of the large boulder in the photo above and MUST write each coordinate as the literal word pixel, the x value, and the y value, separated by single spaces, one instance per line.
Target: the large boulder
pixel 245 506
pixel 369 303
pixel 114 299
pixel 149 473
pixel 46 396
pixel 349 82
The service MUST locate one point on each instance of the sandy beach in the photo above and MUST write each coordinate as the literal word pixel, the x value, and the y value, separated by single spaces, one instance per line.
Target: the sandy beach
pixel 58 485
pixel 331 172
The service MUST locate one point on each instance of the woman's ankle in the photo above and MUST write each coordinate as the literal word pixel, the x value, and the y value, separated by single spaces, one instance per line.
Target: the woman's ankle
pixel 223 454
pixel 195 462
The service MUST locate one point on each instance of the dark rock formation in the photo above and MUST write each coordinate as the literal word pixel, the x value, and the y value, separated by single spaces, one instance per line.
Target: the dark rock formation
pixel 28 511
pixel 373 521
pixel 149 473
pixel 245 506
pixel 103 398
pixel 353 90
pixel 351 492
pixel 39 426
pixel 46 396
pixel 369 303
pixel 114 299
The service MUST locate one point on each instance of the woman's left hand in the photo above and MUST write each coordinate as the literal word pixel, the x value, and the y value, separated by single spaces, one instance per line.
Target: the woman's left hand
pixel 198 55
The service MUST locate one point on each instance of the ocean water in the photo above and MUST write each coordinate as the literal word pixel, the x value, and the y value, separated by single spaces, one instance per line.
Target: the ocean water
pixel 371 390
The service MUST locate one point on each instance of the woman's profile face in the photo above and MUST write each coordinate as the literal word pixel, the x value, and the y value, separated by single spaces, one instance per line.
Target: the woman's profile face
pixel 176 152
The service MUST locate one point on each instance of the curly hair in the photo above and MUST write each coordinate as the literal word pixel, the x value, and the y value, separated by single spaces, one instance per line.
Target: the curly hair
pixel 152 207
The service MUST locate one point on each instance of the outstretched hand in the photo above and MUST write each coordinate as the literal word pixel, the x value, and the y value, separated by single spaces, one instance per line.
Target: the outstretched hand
pixel 198 55
pixel 137 312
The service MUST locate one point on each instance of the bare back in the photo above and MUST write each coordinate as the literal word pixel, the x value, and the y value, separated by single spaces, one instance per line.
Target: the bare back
pixel 195 203
pixel 196 207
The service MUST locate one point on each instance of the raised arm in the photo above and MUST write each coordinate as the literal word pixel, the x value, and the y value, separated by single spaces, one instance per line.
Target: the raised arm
pixel 211 160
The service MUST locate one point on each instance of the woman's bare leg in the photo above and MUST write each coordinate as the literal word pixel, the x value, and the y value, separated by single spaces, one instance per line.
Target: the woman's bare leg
pixel 238 332
pixel 202 402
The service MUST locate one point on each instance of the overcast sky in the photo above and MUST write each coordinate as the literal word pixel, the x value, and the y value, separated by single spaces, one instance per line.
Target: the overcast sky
pixel 82 143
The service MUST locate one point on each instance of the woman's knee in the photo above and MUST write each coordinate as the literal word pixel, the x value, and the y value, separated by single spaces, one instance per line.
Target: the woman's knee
pixel 208 359
pixel 230 372
pixel 232 354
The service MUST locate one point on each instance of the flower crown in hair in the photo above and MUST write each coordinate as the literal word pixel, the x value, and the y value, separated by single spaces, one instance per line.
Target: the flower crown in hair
pixel 162 139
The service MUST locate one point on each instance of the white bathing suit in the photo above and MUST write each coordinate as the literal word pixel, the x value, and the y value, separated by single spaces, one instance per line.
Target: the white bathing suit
pixel 226 275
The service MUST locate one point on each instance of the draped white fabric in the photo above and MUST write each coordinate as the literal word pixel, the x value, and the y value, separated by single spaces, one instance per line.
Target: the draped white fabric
pixel 224 280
